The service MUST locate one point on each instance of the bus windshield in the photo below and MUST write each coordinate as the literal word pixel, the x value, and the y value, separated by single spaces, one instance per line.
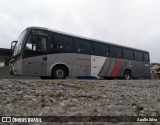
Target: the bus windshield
pixel 18 46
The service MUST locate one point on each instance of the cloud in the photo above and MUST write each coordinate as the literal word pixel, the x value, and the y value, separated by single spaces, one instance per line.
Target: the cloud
pixel 131 23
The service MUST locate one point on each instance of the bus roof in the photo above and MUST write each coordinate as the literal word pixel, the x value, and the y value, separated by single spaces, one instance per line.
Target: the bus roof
pixel 56 31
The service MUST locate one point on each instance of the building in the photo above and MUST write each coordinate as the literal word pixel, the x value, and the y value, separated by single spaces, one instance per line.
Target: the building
pixel 155 71
pixel 5 55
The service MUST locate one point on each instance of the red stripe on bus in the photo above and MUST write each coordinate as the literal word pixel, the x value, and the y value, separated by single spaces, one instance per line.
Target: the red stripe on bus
pixel 116 69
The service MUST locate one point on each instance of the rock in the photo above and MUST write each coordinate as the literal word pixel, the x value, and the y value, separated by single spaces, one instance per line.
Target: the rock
pixel 62 104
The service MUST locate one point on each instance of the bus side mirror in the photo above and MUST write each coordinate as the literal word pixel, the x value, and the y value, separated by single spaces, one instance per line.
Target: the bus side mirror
pixel 13 43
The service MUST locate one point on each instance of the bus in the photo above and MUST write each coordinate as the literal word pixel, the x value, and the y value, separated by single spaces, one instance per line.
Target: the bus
pixel 52 54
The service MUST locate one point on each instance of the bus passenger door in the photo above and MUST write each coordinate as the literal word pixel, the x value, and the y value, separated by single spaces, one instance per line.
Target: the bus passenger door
pixel 35 55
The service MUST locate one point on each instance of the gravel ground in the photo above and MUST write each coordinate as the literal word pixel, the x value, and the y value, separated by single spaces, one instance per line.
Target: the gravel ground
pixel 79 98
pixel 4 74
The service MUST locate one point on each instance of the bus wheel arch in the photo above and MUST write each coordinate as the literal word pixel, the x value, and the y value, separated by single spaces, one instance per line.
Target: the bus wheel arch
pixel 59 71
pixel 127 74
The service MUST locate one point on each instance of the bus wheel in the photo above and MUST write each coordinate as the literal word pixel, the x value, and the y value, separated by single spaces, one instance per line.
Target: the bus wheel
pixel 127 74
pixel 59 73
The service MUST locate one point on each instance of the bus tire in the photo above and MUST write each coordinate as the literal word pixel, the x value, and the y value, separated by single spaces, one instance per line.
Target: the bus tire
pixel 59 72
pixel 127 74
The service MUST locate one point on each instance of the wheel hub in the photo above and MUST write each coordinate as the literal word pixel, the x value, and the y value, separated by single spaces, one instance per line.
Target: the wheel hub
pixel 59 73
pixel 127 76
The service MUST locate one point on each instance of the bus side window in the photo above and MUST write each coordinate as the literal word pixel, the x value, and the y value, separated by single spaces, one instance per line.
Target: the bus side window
pixel 36 44
pixel 115 52
pixel 82 46
pixel 53 44
pixel 100 49
pixel 39 43
pixel 127 54
pixel 138 56
pixel 119 52
pixel 61 43
pixel 146 57
pixel 42 44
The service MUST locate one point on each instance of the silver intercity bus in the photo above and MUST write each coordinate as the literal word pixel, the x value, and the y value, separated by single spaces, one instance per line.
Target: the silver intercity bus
pixel 51 54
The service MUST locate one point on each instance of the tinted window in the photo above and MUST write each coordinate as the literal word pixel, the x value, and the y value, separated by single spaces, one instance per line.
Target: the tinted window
pixel 100 49
pixel 138 55
pixel 115 52
pixel 83 46
pixel 127 54
pixel 36 43
pixel 146 57
pixel 61 43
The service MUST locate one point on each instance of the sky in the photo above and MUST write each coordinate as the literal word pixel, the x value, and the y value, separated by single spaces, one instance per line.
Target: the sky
pixel 133 23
